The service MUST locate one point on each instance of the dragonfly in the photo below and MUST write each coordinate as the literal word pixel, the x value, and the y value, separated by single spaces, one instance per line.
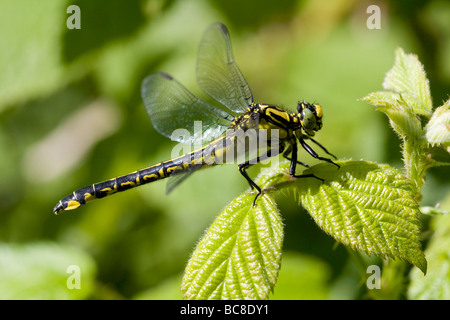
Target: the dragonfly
pixel 171 106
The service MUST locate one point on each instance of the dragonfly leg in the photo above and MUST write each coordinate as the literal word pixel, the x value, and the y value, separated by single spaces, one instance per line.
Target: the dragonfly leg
pixel 294 163
pixel 288 151
pixel 313 153
pixel 245 165
pixel 321 146
pixel 242 169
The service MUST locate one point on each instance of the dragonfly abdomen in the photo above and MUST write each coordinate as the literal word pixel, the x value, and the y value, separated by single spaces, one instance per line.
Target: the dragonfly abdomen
pixel 122 183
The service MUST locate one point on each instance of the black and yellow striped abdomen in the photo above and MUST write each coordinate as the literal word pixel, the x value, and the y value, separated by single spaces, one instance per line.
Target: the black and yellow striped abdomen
pixel 263 132
pixel 190 161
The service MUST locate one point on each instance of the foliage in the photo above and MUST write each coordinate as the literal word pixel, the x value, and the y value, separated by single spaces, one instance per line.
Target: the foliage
pixel 406 100
pixel 71 115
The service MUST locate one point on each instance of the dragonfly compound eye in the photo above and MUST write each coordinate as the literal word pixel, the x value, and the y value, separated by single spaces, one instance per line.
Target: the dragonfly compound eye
pixel 310 115
pixel 308 119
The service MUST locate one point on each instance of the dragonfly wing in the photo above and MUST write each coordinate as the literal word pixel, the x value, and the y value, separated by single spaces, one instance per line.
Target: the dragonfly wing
pixel 217 72
pixel 173 109
pixel 176 179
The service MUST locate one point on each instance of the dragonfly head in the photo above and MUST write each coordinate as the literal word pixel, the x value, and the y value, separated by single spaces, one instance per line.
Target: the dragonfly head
pixel 310 117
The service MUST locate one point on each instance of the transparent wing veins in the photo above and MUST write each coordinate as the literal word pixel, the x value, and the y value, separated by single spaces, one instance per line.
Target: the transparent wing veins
pixel 217 72
pixel 178 114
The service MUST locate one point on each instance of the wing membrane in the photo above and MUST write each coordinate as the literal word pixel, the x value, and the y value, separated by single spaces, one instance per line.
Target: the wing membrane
pixel 171 107
pixel 217 72
pixel 176 179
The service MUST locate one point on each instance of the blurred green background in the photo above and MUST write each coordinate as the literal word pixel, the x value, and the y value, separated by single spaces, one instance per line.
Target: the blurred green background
pixel 71 115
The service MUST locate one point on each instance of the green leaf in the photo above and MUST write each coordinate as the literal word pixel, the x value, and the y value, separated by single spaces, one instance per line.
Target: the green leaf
pixel 407 78
pixel 401 115
pixel 436 285
pixel 367 206
pixel 382 98
pixel 239 256
pixel 403 121
pixel 45 271
pixel 438 128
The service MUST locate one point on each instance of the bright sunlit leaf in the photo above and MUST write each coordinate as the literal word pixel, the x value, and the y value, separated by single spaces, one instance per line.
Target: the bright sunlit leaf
pixel 239 256
pixel 407 78
pixel 367 206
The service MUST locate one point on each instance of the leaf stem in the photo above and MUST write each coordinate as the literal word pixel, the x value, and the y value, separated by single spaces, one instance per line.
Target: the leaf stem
pixel 412 161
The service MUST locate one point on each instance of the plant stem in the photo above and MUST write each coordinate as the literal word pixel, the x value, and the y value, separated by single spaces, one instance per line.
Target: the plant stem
pixel 412 157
